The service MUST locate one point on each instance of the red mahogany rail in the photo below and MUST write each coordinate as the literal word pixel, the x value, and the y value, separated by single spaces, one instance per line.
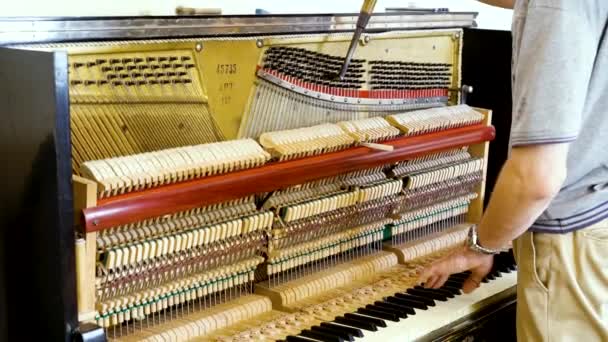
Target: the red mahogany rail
pixel 146 204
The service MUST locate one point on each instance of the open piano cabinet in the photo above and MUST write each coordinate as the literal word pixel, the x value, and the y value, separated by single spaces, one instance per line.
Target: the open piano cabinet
pixel 37 246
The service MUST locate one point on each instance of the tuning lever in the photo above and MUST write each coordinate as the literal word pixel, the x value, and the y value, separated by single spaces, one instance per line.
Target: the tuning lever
pixel 364 15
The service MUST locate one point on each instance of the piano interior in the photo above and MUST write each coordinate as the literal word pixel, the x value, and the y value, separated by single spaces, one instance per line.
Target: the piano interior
pixel 226 190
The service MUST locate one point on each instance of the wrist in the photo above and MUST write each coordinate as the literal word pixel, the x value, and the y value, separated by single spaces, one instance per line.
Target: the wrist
pixel 487 240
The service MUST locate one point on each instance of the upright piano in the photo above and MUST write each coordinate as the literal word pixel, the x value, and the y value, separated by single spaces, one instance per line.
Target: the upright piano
pixel 199 178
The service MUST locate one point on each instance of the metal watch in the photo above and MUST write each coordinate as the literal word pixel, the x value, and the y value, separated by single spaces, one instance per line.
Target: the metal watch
pixel 473 244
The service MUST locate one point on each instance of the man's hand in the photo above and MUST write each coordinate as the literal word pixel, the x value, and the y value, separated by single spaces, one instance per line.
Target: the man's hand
pixel 462 259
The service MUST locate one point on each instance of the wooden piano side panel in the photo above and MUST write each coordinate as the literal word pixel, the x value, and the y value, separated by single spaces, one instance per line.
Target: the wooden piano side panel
pixel 480 150
pixel 85 196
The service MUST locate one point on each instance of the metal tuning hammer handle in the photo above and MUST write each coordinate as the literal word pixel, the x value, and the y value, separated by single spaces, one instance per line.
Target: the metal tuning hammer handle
pixel 364 15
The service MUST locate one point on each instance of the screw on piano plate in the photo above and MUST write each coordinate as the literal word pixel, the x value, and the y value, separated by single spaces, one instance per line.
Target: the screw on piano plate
pixel 259 43
pixel 198 47
pixel 366 39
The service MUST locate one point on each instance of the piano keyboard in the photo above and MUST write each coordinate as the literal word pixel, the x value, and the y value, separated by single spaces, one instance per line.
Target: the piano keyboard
pixel 412 313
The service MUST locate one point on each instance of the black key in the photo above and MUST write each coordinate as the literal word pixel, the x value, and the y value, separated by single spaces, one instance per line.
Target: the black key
pixel 462 275
pixel 408 310
pixel 321 336
pixel 426 301
pixel 296 339
pixel 427 294
pixel 378 314
pixel 458 277
pixel 454 290
pixel 357 324
pixel 388 309
pixel 454 284
pixel 407 302
pixel 504 269
pixel 446 293
pixel 457 280
pixel 349 330
pixel 501 264
pixel 377 322
pixel 341 333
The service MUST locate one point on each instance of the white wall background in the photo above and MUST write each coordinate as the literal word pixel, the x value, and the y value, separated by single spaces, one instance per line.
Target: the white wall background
pixel 489 17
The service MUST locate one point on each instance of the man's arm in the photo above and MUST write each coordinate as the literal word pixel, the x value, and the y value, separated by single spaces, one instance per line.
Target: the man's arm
pixel 557 48
pixel 528 182
pixel 500 3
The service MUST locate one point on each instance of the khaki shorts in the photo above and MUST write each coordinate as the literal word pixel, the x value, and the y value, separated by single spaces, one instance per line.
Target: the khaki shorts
pixel 562 287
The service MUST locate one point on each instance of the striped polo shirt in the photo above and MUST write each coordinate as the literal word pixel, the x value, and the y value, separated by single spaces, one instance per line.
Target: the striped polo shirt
pixel 560 94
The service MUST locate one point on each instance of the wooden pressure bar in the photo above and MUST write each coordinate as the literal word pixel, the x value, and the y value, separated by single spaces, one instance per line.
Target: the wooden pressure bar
pixel 151 203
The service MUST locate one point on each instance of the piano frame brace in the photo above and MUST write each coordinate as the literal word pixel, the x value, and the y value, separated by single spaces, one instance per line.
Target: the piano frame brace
pixel 30 30
pixel 146 204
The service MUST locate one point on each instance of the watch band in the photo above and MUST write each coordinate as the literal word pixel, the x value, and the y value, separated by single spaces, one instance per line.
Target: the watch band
pixel 473 243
